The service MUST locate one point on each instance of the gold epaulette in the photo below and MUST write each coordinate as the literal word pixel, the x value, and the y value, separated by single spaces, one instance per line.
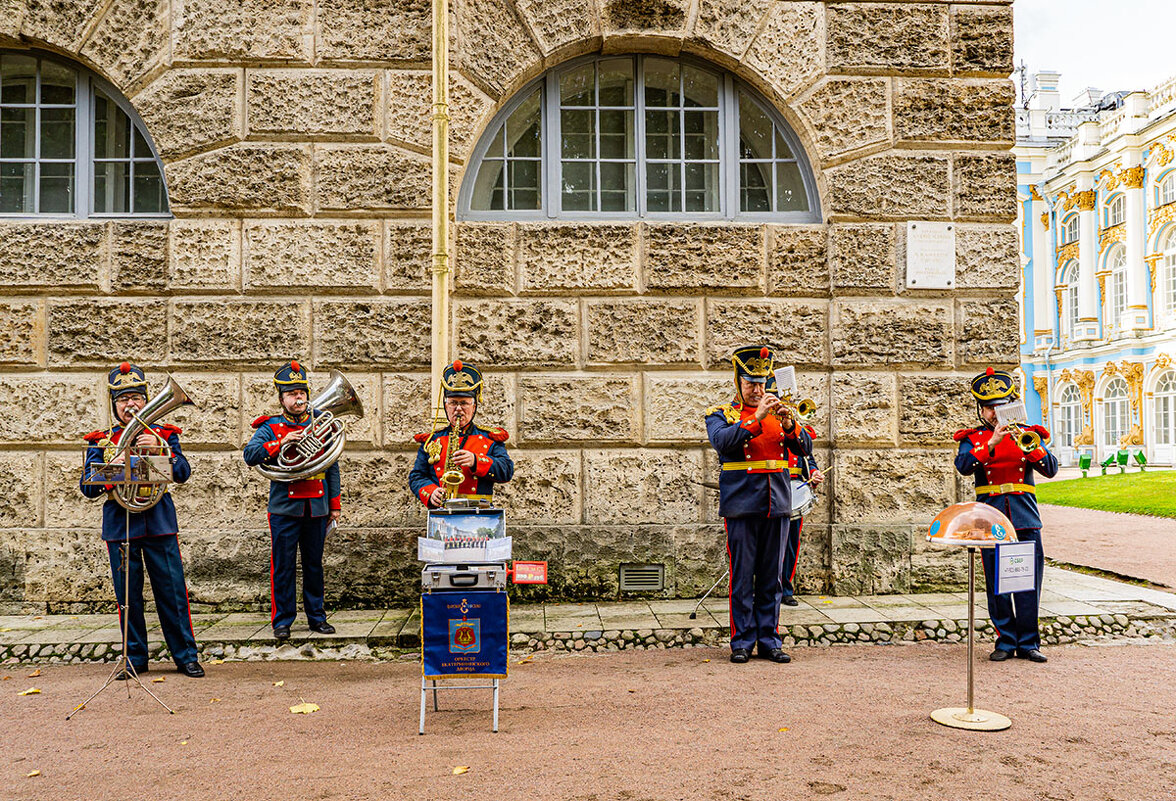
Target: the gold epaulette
pixel 728 410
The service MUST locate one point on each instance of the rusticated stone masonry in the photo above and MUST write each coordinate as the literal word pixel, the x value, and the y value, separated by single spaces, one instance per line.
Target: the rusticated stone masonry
pixel 295 137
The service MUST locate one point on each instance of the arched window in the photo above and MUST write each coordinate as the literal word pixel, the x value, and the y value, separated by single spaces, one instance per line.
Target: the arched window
pixel 1070 419
pixel 1165 397
pixel 1166 191
pixel 1070 229
pixel 1114 211
pixel 1070 299
pixel 629 137
pixel 1117 289
pixel 1166 286
pixel 70 145
pixel 1116 413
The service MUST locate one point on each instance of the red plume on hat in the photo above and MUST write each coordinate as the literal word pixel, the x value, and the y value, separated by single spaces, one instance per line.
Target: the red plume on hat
pixel 124 368
pixel 764 353
pixel 457 365
pixel 989 371
pixel 295 366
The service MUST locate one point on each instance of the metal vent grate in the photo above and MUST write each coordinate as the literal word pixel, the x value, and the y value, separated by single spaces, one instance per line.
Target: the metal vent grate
pixel 642 578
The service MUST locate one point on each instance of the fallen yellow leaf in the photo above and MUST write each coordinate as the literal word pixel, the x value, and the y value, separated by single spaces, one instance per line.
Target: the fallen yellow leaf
pixel 5 628
pixel 32 773
pixel 216 661
pixel 279 684
pixel 213 700
pixel 632 691
pixel 783 729
pixel 183 742
pixel 159 680
pixel 706 660
pixel 460 769
pixel 305 708
pixel 30 691
pixel 35 673
pixel 5 678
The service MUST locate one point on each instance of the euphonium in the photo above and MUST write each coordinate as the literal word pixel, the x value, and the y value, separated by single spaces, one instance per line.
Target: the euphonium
pixel 322 444
pixel 452 476
pixel 140 498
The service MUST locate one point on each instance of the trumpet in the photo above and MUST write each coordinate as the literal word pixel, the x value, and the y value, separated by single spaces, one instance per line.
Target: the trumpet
pixel 802 410
pixel 1028 441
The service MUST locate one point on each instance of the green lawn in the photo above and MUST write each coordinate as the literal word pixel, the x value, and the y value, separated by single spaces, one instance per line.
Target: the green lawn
pixel 1149 493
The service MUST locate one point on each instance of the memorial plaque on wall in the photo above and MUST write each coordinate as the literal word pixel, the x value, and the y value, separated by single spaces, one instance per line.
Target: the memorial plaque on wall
pixel 931 255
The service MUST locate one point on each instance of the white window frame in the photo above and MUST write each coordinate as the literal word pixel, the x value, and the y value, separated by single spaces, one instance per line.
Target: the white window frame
pixel 1166 189
pixel 1166 282
pixel 1070 300
pixel 551 201
pixel 1070 415
pixel 1117 293
pixel 1116 413
pixel 1069 229
pixel 1115 213
pixel 1165 408
pixel 87 85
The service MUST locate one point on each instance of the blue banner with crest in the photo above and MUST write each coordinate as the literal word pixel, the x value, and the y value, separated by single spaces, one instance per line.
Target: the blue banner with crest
pixel 464 634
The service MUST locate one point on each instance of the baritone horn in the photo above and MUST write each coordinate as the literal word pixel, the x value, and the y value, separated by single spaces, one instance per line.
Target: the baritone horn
pixel 140 498
pixel 322 444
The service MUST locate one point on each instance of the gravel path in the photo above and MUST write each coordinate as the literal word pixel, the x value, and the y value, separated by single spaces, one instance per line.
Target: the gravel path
pixel 1130 545
pixel 1095 723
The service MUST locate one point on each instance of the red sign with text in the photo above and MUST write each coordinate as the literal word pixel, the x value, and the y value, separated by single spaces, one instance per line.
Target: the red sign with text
pixel 530 573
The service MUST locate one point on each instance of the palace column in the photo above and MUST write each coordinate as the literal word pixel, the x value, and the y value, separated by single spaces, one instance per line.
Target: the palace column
pixel 1043 273
pixel 1138 277
pixel 1088 299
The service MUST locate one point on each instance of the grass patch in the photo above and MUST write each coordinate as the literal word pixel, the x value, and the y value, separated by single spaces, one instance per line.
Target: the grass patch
pixel 1149 493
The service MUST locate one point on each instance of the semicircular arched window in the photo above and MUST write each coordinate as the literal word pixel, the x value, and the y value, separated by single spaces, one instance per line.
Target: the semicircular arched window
pixel 630 137
pixel 71 145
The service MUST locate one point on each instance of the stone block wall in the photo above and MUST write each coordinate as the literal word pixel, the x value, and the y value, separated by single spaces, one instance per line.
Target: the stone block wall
pixel 295 136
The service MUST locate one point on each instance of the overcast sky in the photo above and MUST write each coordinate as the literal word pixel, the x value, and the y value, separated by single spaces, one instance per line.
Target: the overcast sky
pixel 1108 44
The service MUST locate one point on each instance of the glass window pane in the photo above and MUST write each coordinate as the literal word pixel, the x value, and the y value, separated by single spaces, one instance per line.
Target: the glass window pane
pixel 789 188
pixel 616 134
pixel 662 83
pixel 57 193
pixel 112 129
pixel 496 144
pixel 17 138
pixel 579 186
pixel 142 151
pixel 702 134
pixel 149 195
pixel 488 188
pixel 57 133
pixel 18 79
pixel 16 188
pixel 618 186
pixel 112 187
pixel 575 87
pixel 57 84
pixel 663 187
pixel 702 187
pixel 525 188
pixel 523 129
pixel 662 137
pixel 755 130
pixel 700 88
pixel 782 149
pixel 616 82
pixel 578 134
pixel 755 187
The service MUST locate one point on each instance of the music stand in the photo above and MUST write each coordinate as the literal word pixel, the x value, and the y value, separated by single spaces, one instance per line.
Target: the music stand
pixel 142 471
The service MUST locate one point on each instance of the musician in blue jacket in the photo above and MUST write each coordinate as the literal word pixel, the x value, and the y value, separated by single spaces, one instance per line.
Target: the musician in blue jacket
pixel 300 512
pixel 753 436
pixel 1004 480
pixel 154 539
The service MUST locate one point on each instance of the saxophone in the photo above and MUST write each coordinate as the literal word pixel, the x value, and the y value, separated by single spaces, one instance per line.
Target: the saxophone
pixel 452 476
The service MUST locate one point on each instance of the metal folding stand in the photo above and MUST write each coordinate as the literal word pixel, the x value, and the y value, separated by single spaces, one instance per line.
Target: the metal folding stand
pixel 725 577
pixel 425 688
pixel 970 717
pixel 123 662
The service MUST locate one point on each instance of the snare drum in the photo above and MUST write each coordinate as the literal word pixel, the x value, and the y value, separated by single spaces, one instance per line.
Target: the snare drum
pixel 803 498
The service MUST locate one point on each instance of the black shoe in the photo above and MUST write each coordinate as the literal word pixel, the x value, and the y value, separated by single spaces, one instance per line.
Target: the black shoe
pixel 281 633
pixel 1000 655
pixel 788 600
pixel 775 655
pixel 1033 655
pixel 123 675
pixel 740 656
pixel 191 669
pixel 322 628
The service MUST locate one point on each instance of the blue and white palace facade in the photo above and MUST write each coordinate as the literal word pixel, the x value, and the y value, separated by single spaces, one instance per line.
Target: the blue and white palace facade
pixel 1097 217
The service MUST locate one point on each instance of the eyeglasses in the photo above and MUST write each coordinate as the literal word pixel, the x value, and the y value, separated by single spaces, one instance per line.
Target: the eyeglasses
pixel 123 400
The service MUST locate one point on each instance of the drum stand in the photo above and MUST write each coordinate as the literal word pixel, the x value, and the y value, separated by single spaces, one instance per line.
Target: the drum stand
pixel 123 663
pixel 971 718
pixel 725 577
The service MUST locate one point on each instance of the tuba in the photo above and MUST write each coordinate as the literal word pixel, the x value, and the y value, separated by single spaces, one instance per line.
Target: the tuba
pixel 140 498
pixel 322 444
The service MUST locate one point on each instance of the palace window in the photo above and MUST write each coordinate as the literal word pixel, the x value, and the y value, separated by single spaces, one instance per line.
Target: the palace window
pixel 1117 291
pixel 1070 229
pixel 1165 396
pixel 1070 419
pixel 1166 192
pixel 630 137
pixel 1116 413
pixel 70 146
pixel 1070 300
pixel 1114 212
pixel 1167 282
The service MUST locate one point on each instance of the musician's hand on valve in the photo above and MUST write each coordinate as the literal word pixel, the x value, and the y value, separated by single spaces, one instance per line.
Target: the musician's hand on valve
pixel 437 497
pixel 998 434
pixel 146 440
pixel 293 436
pixel 463 458
pixel 769 404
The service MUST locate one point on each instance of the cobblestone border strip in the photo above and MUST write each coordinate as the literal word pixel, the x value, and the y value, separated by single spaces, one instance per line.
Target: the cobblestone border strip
pixel 1055 631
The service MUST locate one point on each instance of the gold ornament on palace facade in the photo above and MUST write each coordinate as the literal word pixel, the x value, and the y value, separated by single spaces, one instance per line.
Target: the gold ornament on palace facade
pixel 1086 200
pixel 1109 236
pixel 1132 177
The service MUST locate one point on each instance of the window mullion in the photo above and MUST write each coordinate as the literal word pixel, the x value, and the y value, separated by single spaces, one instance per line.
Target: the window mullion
pixel 639 169
pixel 37 139
pixel 83 148
pixel 553 155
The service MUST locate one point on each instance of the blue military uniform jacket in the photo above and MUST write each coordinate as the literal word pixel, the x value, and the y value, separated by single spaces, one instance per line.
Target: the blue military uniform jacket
pixel 1005 479
pixel 755 480
pixel 492 464
pixel 156 521
pixel 323 491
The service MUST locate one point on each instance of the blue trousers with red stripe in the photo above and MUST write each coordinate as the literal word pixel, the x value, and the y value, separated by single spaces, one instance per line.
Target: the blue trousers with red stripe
pixel 1014 615
pixel 791 554
pixel 755 546
pixel 288 536
pixel 161 555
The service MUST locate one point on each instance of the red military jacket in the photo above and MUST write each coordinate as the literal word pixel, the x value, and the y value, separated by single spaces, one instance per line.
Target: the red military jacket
pixel 492 464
